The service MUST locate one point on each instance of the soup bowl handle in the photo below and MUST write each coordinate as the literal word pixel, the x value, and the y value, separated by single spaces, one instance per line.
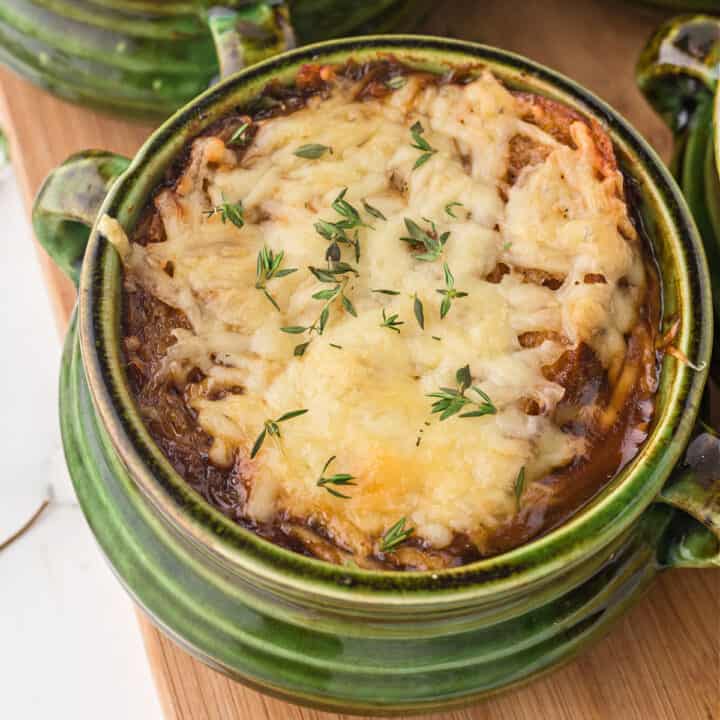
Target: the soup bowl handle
pixel 66 205
pixel 248 33
pixel 679 67
pixel 693 539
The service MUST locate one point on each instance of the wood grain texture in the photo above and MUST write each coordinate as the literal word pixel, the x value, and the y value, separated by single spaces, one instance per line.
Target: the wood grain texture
pixel 660 662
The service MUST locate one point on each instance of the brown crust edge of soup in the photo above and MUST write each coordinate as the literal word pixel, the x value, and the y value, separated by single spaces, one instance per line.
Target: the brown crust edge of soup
pixel 612 441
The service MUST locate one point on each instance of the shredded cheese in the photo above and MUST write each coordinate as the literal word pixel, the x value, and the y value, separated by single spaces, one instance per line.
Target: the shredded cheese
pixel 366 399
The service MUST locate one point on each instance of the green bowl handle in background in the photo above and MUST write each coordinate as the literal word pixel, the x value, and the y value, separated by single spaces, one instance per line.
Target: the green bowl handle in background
pixel 678 72
pixel 694 488
pixel 678 67
pixel 68 201
pixel 249 33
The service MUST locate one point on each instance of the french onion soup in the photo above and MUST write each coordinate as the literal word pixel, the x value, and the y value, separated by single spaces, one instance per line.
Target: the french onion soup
pixel 392 318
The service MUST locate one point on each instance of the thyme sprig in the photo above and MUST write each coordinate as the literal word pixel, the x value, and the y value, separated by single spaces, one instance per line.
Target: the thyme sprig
pixel 420 143
pixel 272 428
pixel 382 291
pixel 450 401
pixel 336 274
pixel 312 151
pixel 391 322
pixel 395 536
pixel 268 268
pixel 519 487
pixel 418 309
pixel 337 232
pixel 342 479
pixel 228 211
pixel 433 242
pixel 373 211
pixel 449 293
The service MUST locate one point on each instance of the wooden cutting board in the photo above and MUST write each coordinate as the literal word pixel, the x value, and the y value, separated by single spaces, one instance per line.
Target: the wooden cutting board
pixel 660 662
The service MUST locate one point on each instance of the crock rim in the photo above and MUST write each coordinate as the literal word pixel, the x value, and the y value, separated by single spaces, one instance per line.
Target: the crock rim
pixel 594 526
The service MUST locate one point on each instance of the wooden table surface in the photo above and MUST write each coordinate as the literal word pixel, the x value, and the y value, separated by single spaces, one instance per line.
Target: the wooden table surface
pixel 662 661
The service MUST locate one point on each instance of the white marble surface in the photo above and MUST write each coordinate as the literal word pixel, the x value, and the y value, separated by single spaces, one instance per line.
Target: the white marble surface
pixel 71 647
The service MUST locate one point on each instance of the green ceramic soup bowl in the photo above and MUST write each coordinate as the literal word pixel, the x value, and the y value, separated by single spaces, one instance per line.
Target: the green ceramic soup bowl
pixel 338 637
pixel 146 58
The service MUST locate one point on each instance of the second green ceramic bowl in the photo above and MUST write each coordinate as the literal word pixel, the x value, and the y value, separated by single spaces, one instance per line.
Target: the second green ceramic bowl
pixel 145 58
pixel 338 637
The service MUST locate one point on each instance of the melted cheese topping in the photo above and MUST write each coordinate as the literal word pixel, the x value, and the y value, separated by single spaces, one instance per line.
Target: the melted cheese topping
pixel 367 399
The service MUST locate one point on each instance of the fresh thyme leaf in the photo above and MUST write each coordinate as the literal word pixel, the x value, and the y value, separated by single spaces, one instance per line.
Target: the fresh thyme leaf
pixel 449 278
pixel 328 230
pixel 419 312
pixel 338 347
pixel 348 305
pixel 290 415
pixel 271 299
pixel 519 487
pixel 272 428
pixel 342 479
pixel 268 267
pixel 449 293
pixel 258 443
pixel 322 275
pixel 300 349
pixel 449 208
pixel 395 536
pixel 312 151
pixel 293 329
pixel 228 211
pixel 373 210
pixel 328 294
pixel 395 83
pixel 238 137
pixel 336 493
pixel 324 315
pixel 435 337
pixel 329 275
pixel 387 292
pixel 445 306
pixel 484 410
pixel 423 159
pixel 450 401
pixel 420 143
pixel 391 322
pixel 507 245
pixel 340 268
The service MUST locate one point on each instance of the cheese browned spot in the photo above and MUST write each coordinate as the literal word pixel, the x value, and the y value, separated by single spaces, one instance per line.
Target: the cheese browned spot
pixel 541 241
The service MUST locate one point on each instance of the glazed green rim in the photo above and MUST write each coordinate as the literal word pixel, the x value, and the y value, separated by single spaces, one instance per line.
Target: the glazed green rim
pixel 610 513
